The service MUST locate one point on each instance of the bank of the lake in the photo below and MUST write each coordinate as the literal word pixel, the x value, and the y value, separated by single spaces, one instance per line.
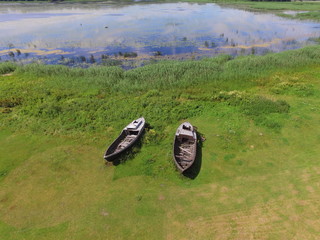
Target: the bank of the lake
pixel 303 10
pixel 256 177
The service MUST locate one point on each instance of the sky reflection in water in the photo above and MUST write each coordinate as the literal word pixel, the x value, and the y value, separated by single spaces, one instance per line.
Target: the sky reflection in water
pixel 175 30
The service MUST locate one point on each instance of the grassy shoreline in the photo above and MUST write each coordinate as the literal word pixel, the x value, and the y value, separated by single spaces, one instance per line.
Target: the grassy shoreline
pixel 95 84
pixel 259 169
pixel 310 10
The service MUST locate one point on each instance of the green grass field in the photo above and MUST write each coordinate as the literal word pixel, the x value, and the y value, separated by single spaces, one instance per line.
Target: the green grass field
pixel 259 173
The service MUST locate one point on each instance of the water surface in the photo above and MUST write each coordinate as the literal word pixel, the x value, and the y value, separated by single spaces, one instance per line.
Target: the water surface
pixel 112 33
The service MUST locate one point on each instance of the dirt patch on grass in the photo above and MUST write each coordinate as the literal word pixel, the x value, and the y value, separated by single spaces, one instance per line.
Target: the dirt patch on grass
pixel 161 197
pixel 310 189
pixel 7 74
pixel 280 219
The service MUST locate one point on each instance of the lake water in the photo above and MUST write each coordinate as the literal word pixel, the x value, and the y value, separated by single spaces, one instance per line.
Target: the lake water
pixel 74 34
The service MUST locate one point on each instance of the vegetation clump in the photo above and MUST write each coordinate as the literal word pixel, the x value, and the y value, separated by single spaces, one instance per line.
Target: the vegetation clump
pixel 7 67
pixel 294 88
pixel 130 55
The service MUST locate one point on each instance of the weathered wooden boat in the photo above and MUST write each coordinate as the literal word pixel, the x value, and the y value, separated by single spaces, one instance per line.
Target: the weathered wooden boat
pixel 185 146
pixel 129 135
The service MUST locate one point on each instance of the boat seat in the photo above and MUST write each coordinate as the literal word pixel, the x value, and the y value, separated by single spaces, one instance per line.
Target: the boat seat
pixel 185 160
pixel 130 137
pixel 183 150
pixel 126 142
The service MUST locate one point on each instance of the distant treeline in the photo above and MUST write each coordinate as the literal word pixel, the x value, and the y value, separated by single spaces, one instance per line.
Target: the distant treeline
pixel 271 0
pixel 31 0
pixel 98 0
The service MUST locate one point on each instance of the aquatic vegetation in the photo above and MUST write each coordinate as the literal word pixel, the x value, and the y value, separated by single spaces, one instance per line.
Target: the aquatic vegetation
pixel 104 56
pixel 303 16
pixel 11 54
pixel 92 59
pixel 18 52
pixel 317 40
pixel 130 55
pixel 82 58
pixel 158 53
pixel 111 62
pixel 232 43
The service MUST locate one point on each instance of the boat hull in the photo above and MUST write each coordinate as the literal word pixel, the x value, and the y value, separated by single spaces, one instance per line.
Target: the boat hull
pixel 185 147
pixel 124 142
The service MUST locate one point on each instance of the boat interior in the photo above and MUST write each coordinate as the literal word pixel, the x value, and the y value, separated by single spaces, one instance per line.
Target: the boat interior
pixel 125 142
pixel 184 151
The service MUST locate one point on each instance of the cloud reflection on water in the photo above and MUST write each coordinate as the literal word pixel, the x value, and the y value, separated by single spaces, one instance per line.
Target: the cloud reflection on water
pixel 146 28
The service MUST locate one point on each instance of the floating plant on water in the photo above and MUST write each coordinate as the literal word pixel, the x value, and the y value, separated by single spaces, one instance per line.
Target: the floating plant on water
pixel 92 59
pixel 157 53
pixel 104 56
pixel 82 58
pixel 130 54
pixel 11 54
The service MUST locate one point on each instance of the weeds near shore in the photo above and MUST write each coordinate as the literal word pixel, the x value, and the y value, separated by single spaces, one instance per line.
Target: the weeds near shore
pixel 70 99
pixel 7 67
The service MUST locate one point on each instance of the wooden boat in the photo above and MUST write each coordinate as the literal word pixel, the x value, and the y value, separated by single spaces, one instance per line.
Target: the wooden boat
pixel 129 135
pixel 185 146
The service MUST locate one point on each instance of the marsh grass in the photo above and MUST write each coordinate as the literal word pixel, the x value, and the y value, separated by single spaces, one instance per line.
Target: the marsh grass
pixel 312 8
pixel 69 99
pixel 279 6
pixel 257 173
pixel 7 67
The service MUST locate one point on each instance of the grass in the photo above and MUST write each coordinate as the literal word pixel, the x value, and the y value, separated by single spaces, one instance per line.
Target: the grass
pixel 295 6
pixel 312 8
pixel 314 15
pixel 7 67
pixel 259 166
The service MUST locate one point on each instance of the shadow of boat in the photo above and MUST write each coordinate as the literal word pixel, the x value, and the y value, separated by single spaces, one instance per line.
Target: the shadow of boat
pixel 128 154
pixel 130 136
pixel 195 168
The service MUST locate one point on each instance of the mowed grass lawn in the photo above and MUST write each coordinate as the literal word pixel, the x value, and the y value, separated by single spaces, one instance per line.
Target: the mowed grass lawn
pixel 260 162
